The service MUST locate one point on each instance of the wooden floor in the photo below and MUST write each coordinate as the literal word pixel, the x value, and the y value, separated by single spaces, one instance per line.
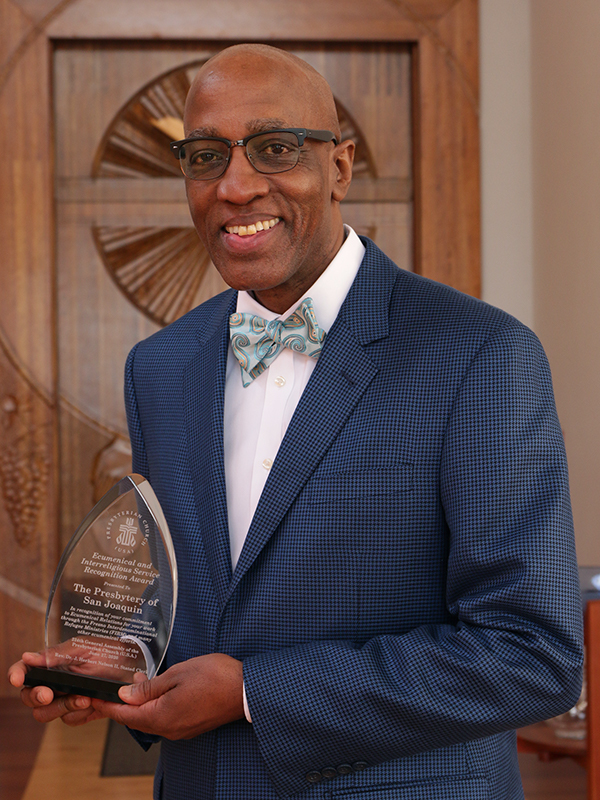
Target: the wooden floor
pixel 67 766
pixel 20 737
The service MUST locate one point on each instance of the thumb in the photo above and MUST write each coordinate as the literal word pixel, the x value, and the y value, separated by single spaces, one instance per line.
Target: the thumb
pixel 35 659
pixel 136 694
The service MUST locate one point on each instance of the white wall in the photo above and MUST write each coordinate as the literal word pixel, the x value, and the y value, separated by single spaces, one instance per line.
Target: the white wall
pixel 566 231
pixel 506 177
pixel 540 133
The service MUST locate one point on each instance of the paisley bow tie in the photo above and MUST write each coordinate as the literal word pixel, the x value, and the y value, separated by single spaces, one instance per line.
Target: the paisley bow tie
pixel 257 342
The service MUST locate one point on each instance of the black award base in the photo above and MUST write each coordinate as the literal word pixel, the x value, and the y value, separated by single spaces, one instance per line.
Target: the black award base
pixel 71 683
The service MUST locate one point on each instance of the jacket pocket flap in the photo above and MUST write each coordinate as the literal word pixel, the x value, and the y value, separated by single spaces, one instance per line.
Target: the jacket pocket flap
pixel 447 789
pixel 389 482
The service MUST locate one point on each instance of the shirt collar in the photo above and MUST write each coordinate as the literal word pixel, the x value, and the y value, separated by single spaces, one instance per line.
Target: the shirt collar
pixel 328 292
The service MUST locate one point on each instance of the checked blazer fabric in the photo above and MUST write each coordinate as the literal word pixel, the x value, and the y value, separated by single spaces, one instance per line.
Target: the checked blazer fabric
pixel 407 594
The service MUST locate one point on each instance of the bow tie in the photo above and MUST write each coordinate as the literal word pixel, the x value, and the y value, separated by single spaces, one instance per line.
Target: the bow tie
pixel 256 342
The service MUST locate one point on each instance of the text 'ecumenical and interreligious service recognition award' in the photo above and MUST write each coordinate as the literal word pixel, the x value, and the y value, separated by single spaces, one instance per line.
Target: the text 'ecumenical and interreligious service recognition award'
pixel 112 603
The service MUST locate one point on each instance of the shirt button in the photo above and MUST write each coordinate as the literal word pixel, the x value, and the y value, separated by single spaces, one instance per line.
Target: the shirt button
pixel 344 769
pixel 267 463
pixel 280 381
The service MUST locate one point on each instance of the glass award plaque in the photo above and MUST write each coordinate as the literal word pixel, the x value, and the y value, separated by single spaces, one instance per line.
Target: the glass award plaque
pixel 112 604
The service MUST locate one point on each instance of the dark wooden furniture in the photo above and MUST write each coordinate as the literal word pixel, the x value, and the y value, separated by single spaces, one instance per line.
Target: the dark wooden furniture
pixel 540 738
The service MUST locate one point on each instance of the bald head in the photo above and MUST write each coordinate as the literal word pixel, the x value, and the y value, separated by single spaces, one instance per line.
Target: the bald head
pixel 269 232
pixel 264 64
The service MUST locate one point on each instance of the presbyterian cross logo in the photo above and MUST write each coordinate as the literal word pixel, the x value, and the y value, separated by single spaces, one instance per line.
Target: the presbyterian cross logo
pixel 129 523
pixel 128 530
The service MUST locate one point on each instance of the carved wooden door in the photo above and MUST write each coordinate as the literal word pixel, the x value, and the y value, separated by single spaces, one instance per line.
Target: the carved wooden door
pixel 128 258
pixel 97 246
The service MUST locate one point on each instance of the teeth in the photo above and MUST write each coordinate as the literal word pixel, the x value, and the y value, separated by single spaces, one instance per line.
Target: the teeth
pixel 250 230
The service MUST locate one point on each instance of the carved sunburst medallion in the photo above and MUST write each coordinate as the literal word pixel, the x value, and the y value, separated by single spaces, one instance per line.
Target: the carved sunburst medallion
pixel 166 271
pixel 161 270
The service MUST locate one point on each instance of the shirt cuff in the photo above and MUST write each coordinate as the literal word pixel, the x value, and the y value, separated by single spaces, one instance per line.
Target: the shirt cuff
pixel 246 709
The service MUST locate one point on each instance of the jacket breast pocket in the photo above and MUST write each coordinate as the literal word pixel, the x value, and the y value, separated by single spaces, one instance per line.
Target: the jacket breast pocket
pixel 446 789
pixel 387 483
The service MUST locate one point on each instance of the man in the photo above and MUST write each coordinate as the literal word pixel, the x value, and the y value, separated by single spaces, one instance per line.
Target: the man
pixel 377 574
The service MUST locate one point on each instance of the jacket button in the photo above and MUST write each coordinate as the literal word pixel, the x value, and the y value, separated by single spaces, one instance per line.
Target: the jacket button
pixel 344 769
pixel 358 766
pixel 313 777
pixel 329 773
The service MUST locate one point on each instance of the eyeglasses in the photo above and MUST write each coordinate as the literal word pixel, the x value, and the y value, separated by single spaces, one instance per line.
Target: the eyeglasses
pixel 203 158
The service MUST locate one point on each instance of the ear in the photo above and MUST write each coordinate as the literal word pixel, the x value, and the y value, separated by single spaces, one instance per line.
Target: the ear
pixel 343 158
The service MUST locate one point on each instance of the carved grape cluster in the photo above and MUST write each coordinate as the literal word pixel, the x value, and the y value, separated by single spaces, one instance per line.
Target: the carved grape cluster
pixel 23 476
pixel 24 472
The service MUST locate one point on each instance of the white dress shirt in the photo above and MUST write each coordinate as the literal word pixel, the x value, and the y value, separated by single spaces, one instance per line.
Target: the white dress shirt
pixel 256 417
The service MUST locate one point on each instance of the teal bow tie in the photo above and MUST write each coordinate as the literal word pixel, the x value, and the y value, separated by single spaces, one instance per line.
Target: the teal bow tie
pixel 256 342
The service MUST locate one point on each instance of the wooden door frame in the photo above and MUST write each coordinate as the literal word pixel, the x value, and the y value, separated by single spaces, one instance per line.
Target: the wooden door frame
pixel 444 39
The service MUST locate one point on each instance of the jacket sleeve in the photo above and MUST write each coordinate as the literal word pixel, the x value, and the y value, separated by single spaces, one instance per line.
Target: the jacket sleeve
pixel 139 460
pixel 514 654
pixel 139 465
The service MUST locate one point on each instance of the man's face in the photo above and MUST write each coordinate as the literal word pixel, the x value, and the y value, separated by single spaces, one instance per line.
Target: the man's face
pixel 298 210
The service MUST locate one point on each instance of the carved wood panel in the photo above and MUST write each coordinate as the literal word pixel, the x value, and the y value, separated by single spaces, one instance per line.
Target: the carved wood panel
pixel 442 236
pixel 128 257
pixel 165 271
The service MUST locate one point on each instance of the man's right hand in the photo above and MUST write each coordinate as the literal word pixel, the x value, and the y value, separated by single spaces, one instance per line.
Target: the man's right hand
pixel 72 709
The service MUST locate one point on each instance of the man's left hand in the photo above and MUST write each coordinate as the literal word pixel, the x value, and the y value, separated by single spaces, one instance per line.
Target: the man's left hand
pixel 190 698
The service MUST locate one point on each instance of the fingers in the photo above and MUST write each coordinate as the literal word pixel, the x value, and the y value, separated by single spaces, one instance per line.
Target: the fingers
pixel 190 698
pixel 140 700
pixel 142 718
pixel 34 697
pixel 72 709
pixel 35 659
pixel 140 692
pixel 16 674
pixel 37 696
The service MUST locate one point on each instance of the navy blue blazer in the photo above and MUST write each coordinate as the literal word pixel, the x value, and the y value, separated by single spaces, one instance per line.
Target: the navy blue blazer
pixel 407 594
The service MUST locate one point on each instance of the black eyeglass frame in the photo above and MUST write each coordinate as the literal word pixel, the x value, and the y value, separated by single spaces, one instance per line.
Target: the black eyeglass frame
pixel 300 133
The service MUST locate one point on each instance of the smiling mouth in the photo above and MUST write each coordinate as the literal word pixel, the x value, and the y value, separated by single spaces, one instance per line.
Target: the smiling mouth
pixel 251 230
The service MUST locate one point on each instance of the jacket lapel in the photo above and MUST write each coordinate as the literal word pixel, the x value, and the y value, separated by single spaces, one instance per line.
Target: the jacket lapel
pixel 338 382
pixel 204 391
